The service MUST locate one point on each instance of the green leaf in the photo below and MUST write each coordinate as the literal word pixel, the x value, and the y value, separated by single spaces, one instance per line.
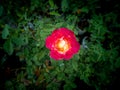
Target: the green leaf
pixel 70 26
pixel 60 76
pixel 69 85
pixel 3 59
pixel 84 9
pixel 9 85
pixel 22 40
pixel 53 62
pixel 54 13
pixel 51 3
pixel 117 63
pixel 5 32
pixel 64 5
pixel 1 10
pixel 21 87
pixel 8 47
pixel 59 24
pixel 75 65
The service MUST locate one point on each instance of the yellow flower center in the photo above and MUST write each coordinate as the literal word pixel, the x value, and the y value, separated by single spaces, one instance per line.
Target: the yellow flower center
pixel 62 45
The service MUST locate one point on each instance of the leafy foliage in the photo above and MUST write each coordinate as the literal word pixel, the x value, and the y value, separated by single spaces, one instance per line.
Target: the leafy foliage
pixel 25 28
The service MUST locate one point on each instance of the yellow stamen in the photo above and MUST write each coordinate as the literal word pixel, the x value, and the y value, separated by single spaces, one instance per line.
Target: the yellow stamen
pixel 62 45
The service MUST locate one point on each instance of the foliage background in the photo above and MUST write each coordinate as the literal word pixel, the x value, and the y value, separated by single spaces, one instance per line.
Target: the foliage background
pixel 24 59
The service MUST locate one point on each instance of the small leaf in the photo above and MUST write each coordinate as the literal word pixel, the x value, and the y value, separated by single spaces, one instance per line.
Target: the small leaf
pixel 64 5
pixel 75 65
pixel 84 9
pixel 8 47
pixel 21 87
pixel 9 85
pixel 19 41
pixel 60 76
pixel 117 63
pixel 51 3
pixel 5 32
pixel 1 10
pixel 53 62
pixel 54 13
pixel 69 85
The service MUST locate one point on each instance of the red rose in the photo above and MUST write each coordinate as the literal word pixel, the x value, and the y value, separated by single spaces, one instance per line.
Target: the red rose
pixel 62 44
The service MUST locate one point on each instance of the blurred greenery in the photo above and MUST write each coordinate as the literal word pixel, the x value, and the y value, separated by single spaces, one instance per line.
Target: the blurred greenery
pixel 25 62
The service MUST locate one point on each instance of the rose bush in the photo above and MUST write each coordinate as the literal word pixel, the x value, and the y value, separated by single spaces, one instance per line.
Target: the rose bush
pixel 62 44
pixel 24 61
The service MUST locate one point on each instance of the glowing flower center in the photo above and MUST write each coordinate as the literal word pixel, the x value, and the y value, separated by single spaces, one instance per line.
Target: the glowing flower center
pixel 62 45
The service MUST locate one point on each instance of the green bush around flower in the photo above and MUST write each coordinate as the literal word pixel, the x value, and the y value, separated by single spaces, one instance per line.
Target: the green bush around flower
pixel 23 35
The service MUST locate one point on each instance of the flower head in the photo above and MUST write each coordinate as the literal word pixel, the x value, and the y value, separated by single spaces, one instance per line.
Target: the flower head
pixel 62 44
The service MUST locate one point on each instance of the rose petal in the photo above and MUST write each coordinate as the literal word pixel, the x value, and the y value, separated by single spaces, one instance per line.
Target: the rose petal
pixel 55 55
pixel 49 42
pixel 75 47
pixel 68 55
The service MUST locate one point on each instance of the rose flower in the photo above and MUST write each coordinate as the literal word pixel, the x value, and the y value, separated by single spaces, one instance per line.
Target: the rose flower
pixel 62 44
